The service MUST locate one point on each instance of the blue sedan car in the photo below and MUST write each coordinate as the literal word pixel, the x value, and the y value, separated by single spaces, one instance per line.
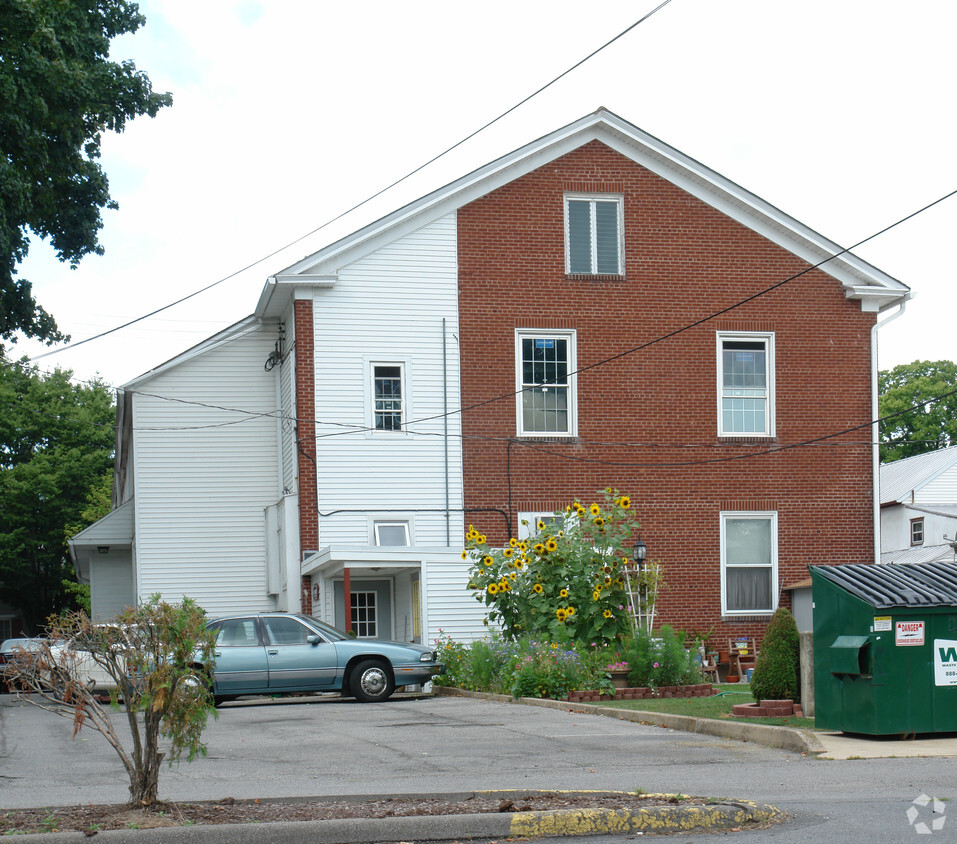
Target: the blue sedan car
pixel 277 652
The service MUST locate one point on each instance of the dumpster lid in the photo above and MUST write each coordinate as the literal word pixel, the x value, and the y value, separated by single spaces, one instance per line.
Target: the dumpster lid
pixel 884 586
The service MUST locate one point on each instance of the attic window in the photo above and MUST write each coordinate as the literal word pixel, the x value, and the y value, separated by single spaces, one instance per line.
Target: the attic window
pixel 593 234
pixel 917 531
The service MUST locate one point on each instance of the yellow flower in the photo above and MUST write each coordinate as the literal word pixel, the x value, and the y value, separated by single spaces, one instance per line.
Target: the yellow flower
pixel 513 542
pixel 551 545
pixel 537 588
pixel 487 561
pixel 560 615
pixel 607 613
pixel 481 539
pixel 465 555
pixel 624 502
pixel 569 611
pixel 538 548
pixel 519 563
pixel 541 525
pixel 493 589
pixel 512 575
pixel 564 593
pixel 599 521
pixel 595 509
pixel 596 595
pixel 507 552
pixel 579 509
pixel 523 547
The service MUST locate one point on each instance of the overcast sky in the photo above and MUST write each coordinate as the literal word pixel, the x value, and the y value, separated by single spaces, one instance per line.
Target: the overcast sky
pixel 286 114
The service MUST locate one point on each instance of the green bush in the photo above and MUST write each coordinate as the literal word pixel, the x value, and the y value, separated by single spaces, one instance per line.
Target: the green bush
pixel 777 672
pixel 660 659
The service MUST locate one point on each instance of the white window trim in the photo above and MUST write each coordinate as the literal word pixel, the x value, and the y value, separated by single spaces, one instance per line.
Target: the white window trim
pixel 766 337
pixel 919 521
pixel 619 199
pixel 370 365
pixel 547 334
pixel 772 516
pixel 403 523
pixel 528 522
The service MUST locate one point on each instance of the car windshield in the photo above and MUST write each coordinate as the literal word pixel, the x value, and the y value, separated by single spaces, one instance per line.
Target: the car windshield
pixel 333 634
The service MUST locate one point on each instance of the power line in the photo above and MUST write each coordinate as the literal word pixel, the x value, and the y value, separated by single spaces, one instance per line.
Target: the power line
pixel 365 201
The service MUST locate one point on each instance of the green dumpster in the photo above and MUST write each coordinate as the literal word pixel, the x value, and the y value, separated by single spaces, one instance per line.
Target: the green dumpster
pixel 885 648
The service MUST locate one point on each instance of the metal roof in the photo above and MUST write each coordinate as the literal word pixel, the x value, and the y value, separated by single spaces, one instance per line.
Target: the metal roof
pixel 900 478
pixel 919 554
pixel 887 586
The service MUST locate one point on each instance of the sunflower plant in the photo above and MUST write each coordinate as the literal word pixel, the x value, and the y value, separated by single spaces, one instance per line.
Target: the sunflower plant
pixel 565 580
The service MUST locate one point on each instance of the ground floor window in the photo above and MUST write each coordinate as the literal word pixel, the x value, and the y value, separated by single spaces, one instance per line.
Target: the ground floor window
pixel 749 561
pixel 364 614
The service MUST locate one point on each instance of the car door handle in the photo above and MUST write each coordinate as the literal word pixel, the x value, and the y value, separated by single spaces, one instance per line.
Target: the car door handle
pixel 273 652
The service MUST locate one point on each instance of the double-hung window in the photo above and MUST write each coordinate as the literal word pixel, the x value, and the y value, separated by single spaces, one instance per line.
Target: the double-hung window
pixel 917 531
pixel 387 396
pixel 545 383
pixel 593 234
pixel 749 562
pixel 745 384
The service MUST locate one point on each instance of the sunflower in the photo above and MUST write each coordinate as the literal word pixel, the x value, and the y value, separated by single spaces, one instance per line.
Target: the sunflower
pixel 513 542
pixel 507 553
pixel 561 615
pixel 482 539
pixel 537 589
pixel 596 595
pixel 607 613
pixel 541 525
pixel 493 589
pixel 538 548
pixel 520 562
pixel 465 555
pixel 595 509
pixel 551 545
pixel 564 593
pixel 598 520
pixel 569 611
pixel 512 575
pixel 624 502
pixel 523 547
pixel 487 561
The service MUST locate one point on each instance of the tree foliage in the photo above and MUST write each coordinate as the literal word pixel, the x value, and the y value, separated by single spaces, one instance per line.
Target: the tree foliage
pixel 58 93
pixel 152 653
pixel 911 429
pixel 56 445
pixel 777 671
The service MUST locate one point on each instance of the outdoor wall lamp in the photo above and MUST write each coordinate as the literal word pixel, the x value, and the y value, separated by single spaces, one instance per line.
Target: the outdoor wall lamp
pixel 640 552
pixel 103 549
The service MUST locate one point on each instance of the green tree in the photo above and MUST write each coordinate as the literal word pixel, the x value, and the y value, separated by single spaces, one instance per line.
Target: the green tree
pixel 56 444
pixel 152 653
pixel 911 429
pixel 58 93
pixel 777 671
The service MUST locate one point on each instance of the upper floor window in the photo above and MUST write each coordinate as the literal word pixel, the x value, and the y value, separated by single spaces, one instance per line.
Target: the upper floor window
pixel 387 396
pixel 917 531
pixel 745 384
pixel 749 562
pixel 546 384
pixel 593 234
pixel 529 521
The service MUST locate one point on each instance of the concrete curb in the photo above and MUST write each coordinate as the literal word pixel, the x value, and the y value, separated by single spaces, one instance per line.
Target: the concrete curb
pixel 786 738
pixel 546 824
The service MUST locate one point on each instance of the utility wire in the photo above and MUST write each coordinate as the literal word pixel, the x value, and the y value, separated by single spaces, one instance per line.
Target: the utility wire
pixel 365 201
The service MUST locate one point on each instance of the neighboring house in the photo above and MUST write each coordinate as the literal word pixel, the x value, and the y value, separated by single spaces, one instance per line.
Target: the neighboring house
pixel 919 508
pixel 592 310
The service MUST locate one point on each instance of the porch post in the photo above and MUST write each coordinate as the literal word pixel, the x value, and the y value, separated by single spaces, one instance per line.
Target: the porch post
pixel 347 597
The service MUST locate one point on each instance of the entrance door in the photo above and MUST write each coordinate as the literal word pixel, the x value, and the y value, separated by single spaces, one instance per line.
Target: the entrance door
pixel 371 608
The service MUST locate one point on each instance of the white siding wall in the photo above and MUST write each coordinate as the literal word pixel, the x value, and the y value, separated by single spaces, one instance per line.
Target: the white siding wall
pixel 204 475
pixel 895 527
pixel 941 490
pixel 389 307
pixel 111 584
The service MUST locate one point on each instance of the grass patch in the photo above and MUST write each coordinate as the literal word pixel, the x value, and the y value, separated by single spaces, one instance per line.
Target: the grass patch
pixel 717 706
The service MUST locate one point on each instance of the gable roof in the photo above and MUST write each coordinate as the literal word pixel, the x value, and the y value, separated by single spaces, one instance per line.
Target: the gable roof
pixel 861 281
pixel 900 479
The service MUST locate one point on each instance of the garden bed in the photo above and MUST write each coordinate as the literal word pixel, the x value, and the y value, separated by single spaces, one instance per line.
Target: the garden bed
pixel 642 693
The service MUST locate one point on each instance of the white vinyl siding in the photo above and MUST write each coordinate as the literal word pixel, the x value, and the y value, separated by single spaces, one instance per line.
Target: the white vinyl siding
pixel 745 384
pixel 749 563
pixel 205 474
pixel 387 309
pixel 593 234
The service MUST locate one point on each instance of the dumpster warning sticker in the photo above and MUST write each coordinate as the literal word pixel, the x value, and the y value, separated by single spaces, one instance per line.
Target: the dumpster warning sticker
pixel 882 623
pixel 945 662
pixel 909 633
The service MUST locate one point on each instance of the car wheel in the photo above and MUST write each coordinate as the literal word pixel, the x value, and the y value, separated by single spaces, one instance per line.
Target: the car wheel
pixel 371 681
pixel 200 680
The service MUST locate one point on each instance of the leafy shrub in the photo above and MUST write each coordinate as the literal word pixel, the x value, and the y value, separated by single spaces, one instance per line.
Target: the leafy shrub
pixel 660 659
pixel 777 672
pixel 566 581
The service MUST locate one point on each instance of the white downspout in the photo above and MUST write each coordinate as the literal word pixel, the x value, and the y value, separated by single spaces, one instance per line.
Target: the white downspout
pixel 875 429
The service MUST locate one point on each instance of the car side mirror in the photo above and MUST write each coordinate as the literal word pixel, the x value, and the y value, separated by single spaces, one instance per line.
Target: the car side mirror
pixel 313 639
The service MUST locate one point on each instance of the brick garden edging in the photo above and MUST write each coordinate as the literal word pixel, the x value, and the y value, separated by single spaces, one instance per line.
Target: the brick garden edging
pixel 767 709
pixel 642 693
